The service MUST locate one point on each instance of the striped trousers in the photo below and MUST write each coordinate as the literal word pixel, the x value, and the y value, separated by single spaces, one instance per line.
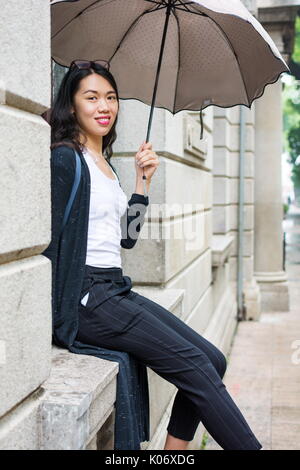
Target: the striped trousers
pixel 113 316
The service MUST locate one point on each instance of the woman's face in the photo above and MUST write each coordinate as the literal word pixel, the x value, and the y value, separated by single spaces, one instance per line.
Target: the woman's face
pixel 95 99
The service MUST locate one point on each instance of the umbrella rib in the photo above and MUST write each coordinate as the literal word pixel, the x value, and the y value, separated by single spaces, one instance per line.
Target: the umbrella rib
pixel 189 11
pixel 131 26
pixel 236 58
pixel 230 45
pixel 178 29
pixel 183 4
pixel 153 1
pixel 76 16
pixel 160 6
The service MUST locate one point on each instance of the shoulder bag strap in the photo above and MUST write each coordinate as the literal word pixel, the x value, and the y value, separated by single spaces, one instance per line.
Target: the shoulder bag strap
pixel 74 190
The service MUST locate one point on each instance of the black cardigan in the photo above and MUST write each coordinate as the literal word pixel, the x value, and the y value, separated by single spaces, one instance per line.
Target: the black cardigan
pixel 68 256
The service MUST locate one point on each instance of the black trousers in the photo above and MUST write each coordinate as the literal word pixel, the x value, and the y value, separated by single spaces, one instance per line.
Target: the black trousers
pixel 115 317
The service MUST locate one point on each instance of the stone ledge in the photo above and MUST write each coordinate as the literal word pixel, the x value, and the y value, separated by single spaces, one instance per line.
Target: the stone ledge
pixel 79 397
pixel 220 249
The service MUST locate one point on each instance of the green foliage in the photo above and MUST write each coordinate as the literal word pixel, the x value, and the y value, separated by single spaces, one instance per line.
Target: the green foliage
pixel 291 113
pixel 296 52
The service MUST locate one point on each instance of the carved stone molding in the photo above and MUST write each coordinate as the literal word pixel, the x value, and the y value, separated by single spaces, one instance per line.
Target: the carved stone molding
pixel 279 22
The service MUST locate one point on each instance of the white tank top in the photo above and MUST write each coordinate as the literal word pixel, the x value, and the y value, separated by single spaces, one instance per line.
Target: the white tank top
pixel 108 203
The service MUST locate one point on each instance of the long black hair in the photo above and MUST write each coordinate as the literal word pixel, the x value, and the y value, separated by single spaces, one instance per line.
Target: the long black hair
pixel 64 125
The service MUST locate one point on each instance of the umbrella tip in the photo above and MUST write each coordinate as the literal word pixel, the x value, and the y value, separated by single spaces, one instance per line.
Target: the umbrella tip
pixel 47 115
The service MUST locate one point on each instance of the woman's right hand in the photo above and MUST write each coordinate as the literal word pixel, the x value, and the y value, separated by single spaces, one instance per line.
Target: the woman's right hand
pixel 146 161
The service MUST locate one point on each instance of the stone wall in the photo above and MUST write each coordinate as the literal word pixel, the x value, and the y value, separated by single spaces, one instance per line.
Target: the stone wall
pixel 25 275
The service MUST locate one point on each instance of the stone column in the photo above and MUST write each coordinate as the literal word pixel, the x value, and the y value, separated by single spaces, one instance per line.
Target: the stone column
pixel 278 18
pixel 268 201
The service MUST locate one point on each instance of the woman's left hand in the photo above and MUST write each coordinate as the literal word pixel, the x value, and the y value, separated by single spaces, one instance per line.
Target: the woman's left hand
pixel 146 159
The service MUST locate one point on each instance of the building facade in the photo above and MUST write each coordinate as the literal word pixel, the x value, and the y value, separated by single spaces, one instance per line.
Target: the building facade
pixel 217 191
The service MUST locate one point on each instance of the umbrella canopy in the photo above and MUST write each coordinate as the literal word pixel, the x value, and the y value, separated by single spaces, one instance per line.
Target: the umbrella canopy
pixel 215 52
pixel 172 54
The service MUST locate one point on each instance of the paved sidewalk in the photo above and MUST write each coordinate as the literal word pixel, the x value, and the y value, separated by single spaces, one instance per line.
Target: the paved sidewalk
pixel 263 372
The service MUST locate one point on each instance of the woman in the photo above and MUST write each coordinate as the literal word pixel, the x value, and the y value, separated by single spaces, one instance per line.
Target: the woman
pixel 110 314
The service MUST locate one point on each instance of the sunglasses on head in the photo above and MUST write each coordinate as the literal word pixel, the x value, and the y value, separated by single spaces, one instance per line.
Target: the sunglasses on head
pixel 86 64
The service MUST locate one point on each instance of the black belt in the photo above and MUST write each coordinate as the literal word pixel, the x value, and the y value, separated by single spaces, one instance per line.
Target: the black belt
pixel 114 273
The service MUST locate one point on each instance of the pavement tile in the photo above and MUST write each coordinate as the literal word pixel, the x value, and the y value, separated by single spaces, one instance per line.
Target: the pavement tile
pixel 286 414
pixel 285 436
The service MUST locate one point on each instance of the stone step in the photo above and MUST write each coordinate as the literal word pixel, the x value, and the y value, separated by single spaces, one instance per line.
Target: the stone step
pixel 78 399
